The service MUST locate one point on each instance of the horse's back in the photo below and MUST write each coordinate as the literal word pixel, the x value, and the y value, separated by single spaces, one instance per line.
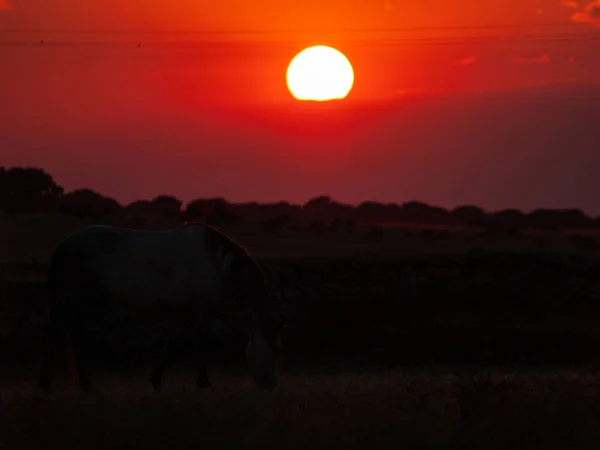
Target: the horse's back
pixel 143 267
pixel 103 240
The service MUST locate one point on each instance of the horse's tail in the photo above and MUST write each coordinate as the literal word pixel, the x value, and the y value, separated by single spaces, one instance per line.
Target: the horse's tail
pixel 56 336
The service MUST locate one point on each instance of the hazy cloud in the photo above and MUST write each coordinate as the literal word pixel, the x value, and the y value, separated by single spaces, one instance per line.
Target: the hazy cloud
pixel 464 61
pixel 5 5
pixel 570 4
pixel 590 14
pixel 407 92
pixel 542 59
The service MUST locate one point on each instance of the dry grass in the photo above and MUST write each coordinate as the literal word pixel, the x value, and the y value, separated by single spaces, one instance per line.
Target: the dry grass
pixel 411 311
pixel 430 409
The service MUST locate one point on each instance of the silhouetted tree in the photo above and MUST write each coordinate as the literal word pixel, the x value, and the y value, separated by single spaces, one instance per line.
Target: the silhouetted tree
pixel 370 211
pixel 507 219
pixel 419 212
pixel 87 203
pixel 140 208
pixel 342 225
pixel 222 215
pixel 317 226
pixel 552 219
pixel 167 206
pixel 317 207
pixel 468 215
pixel 3 188
pixel 194 210
pixel 28 190
pixel 278 223
pixel 325 209
pixel 321 201
pixel 253 211
pixel 373 232
pixel 283 208
pixel 140 212
pixel 202 207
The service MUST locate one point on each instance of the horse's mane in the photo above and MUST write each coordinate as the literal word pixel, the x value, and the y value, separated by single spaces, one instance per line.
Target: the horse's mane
pixel 259 276
pixel 189 223
pixel 230 242
pixel 217 232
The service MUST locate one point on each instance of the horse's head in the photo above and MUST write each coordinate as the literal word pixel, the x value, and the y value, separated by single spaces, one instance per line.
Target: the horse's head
pixel 264 348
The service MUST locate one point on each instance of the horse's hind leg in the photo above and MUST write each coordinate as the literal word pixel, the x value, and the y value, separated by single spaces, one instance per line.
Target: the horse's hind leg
pixel 78 344
pixel 51 341
pixel 202 380
pixel 160 365
pixel 162 357
pixel 54 340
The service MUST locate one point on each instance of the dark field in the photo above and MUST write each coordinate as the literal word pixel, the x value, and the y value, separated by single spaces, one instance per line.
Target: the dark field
pixel 399 338
pixel 419 409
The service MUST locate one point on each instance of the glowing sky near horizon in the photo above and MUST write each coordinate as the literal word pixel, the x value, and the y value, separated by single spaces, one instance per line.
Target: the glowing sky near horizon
pixel 210 111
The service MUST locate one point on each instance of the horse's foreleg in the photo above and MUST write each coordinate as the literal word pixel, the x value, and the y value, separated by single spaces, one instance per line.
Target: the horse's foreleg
pixel 51 341
pixel 203 353
pixel 160 364
pixel 78 344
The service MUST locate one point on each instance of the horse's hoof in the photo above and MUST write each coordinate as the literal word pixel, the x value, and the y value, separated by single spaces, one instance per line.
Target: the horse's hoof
pixel 45 387
pixel 204 384
pixel 155 384
pixel 46 393
pixel 89 390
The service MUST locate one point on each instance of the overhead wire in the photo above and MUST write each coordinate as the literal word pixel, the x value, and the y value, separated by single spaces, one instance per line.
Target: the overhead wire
pixel 215 40
pixel 287 31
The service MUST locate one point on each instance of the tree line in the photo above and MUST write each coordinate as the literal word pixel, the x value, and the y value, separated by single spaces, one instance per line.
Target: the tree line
pixel 30 190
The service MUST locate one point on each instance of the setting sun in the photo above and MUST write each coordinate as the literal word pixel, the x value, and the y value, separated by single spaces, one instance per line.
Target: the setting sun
pixel 320 73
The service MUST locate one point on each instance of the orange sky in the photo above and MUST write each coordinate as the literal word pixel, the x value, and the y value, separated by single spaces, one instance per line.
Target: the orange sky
pixel 284 15
pixel 90 85
pixel 251 68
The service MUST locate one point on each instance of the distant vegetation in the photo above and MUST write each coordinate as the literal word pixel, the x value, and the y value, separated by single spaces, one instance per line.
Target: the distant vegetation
pixel 27 190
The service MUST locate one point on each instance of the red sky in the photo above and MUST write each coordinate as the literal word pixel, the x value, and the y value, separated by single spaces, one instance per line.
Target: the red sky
pixel 207 112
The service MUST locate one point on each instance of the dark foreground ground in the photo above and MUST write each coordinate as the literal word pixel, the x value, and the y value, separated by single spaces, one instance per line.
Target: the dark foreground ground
pixel 382 330
pixel 426 408
pixel 371 362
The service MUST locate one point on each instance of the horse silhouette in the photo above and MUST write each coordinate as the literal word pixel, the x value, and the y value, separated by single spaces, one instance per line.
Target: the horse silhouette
pixel 193 270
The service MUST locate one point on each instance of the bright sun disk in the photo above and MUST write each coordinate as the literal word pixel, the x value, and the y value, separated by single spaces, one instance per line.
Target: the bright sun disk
pixel 320 73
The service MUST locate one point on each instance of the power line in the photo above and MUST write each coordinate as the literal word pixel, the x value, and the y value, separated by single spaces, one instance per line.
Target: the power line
pixel 264 44
pixel 291 31
pixel 400 42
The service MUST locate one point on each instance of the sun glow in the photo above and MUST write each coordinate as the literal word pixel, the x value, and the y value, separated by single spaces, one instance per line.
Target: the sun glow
pixel 320 73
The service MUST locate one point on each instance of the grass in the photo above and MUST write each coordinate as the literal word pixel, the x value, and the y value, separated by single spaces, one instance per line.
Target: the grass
pixel 432 408
pixel 420 314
